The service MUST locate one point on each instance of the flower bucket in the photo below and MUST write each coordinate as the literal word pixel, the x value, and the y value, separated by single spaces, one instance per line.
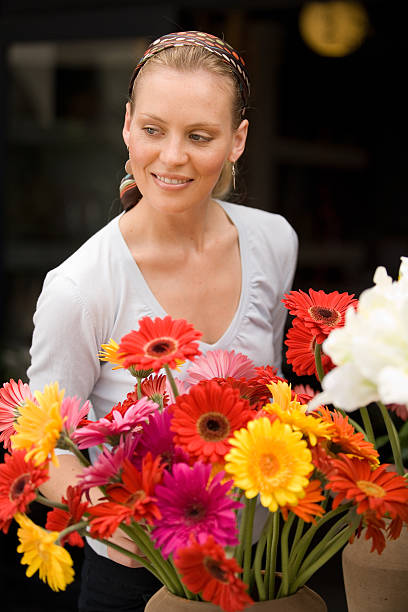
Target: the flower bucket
pixel 376 582
pixel 304 600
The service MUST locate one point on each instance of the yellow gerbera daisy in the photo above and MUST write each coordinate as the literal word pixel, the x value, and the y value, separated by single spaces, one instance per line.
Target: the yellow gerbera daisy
pixel 39 425
pixel 272 460
pixel 53 562
pixel 291 412
pixel 110 352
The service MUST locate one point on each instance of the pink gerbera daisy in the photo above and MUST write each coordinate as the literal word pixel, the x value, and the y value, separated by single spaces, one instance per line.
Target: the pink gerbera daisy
pixel 109 431
pixel 108 466
pixel 12 395
pixel 191 503
pixel 220 364
pixel 73 413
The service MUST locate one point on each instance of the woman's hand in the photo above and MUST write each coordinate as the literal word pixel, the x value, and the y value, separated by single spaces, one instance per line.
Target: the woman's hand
pixel 121 539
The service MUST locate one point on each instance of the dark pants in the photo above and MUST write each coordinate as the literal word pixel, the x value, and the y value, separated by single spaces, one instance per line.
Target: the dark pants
pixel 107 586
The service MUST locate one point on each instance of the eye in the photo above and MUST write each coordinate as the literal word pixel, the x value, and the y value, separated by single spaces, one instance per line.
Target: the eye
pixel 199 138
pixel 150 130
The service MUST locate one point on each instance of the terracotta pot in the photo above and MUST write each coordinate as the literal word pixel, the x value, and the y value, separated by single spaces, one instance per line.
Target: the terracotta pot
pixel 374 582
pixel 305 600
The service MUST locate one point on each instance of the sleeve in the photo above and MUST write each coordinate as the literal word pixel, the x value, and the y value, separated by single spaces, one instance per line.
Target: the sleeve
pixel 288 267
pixel 65 341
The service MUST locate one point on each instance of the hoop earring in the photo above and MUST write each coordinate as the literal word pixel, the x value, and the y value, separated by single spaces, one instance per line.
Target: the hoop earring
pixel 234 174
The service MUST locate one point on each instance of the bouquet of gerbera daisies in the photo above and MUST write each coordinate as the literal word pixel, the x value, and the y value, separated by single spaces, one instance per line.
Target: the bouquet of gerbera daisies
pixel 233 489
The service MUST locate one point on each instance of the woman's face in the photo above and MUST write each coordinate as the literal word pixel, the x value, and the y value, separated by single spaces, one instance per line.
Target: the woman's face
pixel 179 133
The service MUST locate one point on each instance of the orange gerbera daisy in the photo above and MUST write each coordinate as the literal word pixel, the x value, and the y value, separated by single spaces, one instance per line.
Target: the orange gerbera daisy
pixel 159 342
pixel 58 519
pixel 205 569
pixel 344 438
pixel 308 507
pixel 301 350
pixel 379 491
pixel 319 311
pixel 133 499
pixel 257 395
pixel 204 419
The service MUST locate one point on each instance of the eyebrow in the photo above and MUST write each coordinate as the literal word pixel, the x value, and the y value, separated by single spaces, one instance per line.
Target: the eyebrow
pixel 196 125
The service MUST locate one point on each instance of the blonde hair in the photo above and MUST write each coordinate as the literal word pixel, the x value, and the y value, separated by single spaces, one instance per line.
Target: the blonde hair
pixel 187 59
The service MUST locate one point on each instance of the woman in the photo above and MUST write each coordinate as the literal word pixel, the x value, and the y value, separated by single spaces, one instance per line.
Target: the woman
pixel 176 249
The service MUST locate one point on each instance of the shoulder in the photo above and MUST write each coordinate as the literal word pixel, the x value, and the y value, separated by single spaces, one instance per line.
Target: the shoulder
pixel 271 229
pixel 88 279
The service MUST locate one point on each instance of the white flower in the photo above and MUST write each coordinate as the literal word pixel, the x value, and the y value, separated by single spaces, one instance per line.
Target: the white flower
pixel 371 350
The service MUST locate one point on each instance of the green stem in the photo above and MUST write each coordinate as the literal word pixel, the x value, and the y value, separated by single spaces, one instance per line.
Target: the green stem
pixel 126 552
pixel 171 380
pixel 318 361
pixel 139 387
pixel 367 424
pixel 70 445
pixel 248 529
pixel 260 548
pixel 51 504
pixel 284 587
pixel 299 551
pixel 320 547
pixel 394 439
pixel 70 529
pixel 272 550
pixel 307 571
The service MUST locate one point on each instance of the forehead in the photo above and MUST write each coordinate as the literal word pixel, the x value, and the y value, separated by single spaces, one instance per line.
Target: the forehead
pixel 182 91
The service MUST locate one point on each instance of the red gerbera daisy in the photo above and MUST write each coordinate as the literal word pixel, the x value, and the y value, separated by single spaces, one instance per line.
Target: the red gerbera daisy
pixel 131 499
pixel 301 350
pixel 375 490
pixel 154 388
pixel 319 311
pixel 206 418
pixel 344 438
pixel 158 342
pixel 205 569
pixel 19 480
pixel 58 520
pixel 257 395
pixel 308 507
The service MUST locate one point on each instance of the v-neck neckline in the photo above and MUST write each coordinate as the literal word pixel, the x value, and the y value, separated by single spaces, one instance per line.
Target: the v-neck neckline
pixel 156 309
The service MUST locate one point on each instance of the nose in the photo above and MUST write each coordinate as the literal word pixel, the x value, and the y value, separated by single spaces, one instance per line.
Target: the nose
pixel 173 151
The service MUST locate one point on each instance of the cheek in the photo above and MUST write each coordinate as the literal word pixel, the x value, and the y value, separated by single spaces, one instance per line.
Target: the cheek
pixel 212 164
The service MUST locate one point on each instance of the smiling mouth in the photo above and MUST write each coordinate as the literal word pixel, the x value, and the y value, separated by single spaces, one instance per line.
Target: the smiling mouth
pixel 172 181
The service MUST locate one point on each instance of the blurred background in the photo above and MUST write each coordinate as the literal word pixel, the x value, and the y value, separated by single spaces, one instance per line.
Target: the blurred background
pixel 328 123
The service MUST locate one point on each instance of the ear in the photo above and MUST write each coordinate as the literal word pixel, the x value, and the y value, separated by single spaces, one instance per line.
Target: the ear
pixel 126 125
pixel 238 141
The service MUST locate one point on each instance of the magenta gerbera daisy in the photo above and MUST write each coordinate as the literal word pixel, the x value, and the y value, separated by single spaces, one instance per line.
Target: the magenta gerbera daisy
pixel 109 430
pixel 220 364
pixel 12 396
pixel 157 438
pixel 191 503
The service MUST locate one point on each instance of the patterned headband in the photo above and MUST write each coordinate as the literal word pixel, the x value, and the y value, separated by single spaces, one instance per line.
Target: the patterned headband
pixel 209 42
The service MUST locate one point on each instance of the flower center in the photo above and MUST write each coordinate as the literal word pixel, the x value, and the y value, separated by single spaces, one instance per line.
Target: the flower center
pixel 268 465
pixel 328 316
pixel 213 426
pixel 136 497
pixel 370 488
pixel 195 512
pixel 213 568
pixel 160 347
pixel 18 486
